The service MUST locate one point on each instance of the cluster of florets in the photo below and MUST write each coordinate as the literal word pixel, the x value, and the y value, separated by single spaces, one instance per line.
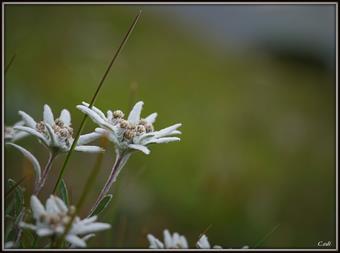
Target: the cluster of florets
pixel 57 220
pixel 63 131
pixel 129 130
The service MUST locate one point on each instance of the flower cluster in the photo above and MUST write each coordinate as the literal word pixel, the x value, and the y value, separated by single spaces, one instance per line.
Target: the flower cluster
pixel 56 134
pixel 177 241
pixel 54 217
pixel 133 133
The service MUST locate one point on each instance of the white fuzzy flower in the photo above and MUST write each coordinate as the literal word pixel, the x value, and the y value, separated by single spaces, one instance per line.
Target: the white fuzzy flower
pixel 56 134
pixel 13 135
pixel 175 241
pixel 53 218
pixel 203 243
pixel 133 133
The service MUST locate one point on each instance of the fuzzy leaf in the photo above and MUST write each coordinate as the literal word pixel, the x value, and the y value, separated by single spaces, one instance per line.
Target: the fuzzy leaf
pixel 63 192
pixel 102 205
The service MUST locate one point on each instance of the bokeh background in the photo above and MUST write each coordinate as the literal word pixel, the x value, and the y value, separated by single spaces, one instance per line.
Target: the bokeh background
pixel 253 85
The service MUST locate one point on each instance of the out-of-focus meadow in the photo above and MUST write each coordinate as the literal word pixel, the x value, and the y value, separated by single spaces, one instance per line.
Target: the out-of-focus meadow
pixel 258 142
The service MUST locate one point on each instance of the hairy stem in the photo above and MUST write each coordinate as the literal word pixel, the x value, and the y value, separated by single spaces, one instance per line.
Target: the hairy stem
pixel 114 172
pixel 48 166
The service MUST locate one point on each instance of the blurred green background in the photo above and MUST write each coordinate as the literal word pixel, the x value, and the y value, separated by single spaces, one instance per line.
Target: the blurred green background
pixel 258 142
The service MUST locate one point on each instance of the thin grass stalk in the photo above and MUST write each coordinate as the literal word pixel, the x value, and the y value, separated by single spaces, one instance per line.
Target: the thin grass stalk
pixel 69 225
pixel 40 184
pixel 62 171
pixel 10 63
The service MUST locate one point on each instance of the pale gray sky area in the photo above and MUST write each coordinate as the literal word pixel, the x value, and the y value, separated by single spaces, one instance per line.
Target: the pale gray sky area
pixel 306 28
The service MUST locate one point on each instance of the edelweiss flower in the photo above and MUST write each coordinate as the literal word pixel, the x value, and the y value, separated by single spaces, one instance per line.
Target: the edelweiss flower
pixel 203 243
pixel 13 135
pixel 52 220
pixel 56 134
pixel 174 241
pixel 132 133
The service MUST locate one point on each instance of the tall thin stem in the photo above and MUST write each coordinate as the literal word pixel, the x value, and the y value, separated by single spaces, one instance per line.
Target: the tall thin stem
pixel 82 124
pixel 47 169
pixel 115 169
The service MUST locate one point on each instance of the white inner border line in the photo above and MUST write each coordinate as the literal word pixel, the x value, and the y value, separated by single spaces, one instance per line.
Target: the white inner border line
pixel 168 3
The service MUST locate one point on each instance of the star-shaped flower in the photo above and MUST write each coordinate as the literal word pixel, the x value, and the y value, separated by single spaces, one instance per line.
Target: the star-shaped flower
pixel 56 134
pixel 132 133
pixel 52 220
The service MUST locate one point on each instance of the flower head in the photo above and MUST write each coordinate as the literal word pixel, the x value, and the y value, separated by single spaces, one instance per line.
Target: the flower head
pixel 175 241
pixel 12 135
pixel 53 218
pixel 133 133
pixel 56 134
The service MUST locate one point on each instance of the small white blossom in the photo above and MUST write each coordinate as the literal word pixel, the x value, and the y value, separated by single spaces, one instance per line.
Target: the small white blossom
pixel 54 217
pixel 203 243
pixel 132 133
pixel 13 135
pixel 175 241
pixel 56 134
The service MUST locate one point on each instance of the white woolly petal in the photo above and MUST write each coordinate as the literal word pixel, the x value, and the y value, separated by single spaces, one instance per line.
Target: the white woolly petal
pixel 175 132
pixel 33 132
pixel 142 148
pixel 88 220
pixel 19 123
pixel 37 207
pixel 48 115
pixel 53 136
pixel 86 138
pixel 51 205
pixel 98 111
pixel 28 226
pixel 167 130
pixel 86 237
pixel 94 116
pixel 60 204
pixel 219 247
pixel 109 114
pixel 89 228
pixel 19 135
pixel 162 140
pixel 31 158
pixel 65 116
pixel 203 243
pixel 154 242
pixel 134 115
pixel 90 149
pixel 151 118
pixel 108 134
pixel 167 239
pixel 75 241
pixel 44 231
pixel 29 121
pixel 183 242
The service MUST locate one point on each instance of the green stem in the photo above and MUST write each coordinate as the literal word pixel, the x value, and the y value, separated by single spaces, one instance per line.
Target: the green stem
pixel 82 198
pixel 62 171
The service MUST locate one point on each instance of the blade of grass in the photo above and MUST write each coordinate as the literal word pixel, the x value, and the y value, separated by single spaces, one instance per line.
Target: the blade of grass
pixel 266 236
pixel 94 172
pixel 82 124
pixel 10 63
pixel 15 186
